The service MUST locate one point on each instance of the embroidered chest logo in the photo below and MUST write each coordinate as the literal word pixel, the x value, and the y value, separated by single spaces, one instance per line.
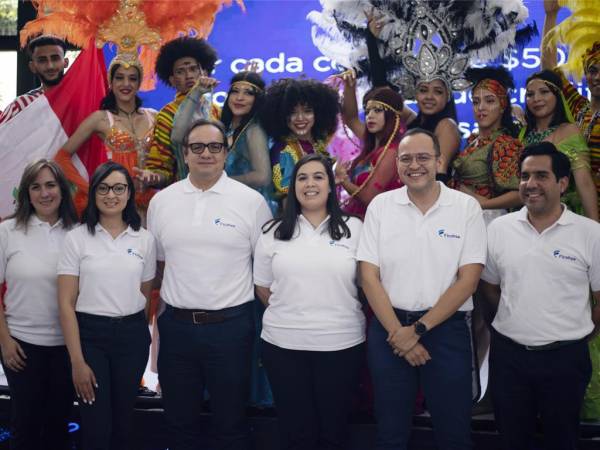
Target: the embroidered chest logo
pixel 333 243
pixel 132 252
pixel 442 233
pixel 557 254
pixel 223 223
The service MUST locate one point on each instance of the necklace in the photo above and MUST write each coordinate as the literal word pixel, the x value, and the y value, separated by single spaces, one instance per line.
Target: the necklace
pixel 535 136
pixel 580 118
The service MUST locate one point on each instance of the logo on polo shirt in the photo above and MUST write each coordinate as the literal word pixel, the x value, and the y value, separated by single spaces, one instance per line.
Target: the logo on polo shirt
pixel 222 223
pixel 442 233
pixel 333 243
pixel 132 252
pixel 559 255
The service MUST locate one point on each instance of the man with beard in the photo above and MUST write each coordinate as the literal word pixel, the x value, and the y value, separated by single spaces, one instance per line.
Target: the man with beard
pixel 48 62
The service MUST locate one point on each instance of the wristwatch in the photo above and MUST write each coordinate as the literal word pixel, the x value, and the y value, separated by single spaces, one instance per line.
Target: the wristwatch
pixel 420 328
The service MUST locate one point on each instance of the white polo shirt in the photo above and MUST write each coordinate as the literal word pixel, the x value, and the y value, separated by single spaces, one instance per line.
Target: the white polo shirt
pixel 545 278
pixel 314 303
pixel 28 263
pixel 110 271
pixel 419 255
pixel 206 239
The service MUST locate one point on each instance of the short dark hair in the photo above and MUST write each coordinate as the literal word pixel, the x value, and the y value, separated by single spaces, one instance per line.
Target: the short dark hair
pixel 91 214
pixel 436 142
pixel 183 47
pixel 109 102
pixel 285 94
pixel 286 225
pixel 561 166
pixel 203 122
pixel 43 40
pixel 555 85
pixel 66 209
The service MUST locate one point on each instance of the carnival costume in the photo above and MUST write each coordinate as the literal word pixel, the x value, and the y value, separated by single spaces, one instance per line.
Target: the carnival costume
pixel 580 33
pixel 489 166
pixel 132 25
pixel 376 170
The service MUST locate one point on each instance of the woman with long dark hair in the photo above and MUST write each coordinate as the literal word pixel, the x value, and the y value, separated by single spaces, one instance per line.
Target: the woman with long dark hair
pixel 300 116
pixel 374 169
pixel 34 356
pixel 549 119
pixel 313 329
pixel 122 124
pixel 248 158
pixel 105 276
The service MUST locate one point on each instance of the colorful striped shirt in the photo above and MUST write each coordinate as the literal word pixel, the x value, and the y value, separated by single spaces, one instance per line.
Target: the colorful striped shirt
pixel 19 104
pixel 588 122
pixel 162 157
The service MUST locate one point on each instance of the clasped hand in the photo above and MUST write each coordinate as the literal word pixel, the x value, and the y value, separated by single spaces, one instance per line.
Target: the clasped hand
pixel 405 343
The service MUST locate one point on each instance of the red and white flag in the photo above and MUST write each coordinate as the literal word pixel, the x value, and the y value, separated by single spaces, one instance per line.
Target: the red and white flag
pixel 43 126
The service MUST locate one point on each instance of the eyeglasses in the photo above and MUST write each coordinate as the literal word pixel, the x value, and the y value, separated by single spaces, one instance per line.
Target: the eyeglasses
pixel 192 70
pixel 118 189
pixel 421 158
pixel 197 148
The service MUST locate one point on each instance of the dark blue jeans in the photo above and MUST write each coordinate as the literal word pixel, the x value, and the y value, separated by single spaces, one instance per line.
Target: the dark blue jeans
pixel 117 351
pixel 41 399
pixel 215 356
pixel 445 379
pixel 548 383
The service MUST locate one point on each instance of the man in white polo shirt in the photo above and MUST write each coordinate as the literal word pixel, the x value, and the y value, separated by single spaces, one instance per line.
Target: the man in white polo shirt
pixel 422 250
pixel 206 227
pixel 542 261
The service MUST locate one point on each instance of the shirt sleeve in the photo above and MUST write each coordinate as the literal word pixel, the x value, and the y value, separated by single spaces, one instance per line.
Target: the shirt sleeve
pixel 161 158
pixel 490 272
pixel 149 271
pixel 151 220
pixel 263 260
pixel 594 268
pixel 575 101
pixel 69 260
pixel 475 247
pixel 3 252
pixel 263 215
pixel 368 246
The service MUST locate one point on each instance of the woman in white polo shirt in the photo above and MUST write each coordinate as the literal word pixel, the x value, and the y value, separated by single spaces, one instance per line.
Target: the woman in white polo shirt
pixel 105 276
pixel 34 356
pixel 313 328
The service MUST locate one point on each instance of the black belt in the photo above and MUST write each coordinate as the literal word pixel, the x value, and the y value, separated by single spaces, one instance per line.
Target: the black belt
pixel 538 348
pixel 205 316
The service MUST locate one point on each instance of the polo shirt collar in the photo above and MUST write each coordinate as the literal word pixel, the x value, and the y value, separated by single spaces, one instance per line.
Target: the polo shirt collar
pixel 444 199
pixel 130 231
pixel 304 221
pixel 220 187
pixel 566 218
pixel 35 221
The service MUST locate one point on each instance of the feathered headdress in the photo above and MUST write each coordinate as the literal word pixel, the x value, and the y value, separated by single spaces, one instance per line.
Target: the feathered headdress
pixel 137 27
pixel 419 40
pixel 579 32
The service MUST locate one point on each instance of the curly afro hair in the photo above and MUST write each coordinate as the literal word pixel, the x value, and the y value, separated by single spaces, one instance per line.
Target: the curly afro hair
pixel 183 47
pixel 284 95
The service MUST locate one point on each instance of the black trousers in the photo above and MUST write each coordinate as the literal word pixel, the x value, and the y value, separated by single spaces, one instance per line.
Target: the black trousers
pixel 526 384
pixel 312 392
pixel 117 352
pixel 41 398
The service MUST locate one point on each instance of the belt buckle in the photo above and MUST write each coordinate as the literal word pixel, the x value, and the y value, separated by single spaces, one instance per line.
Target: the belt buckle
pixel 531 348
pixel 199 317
